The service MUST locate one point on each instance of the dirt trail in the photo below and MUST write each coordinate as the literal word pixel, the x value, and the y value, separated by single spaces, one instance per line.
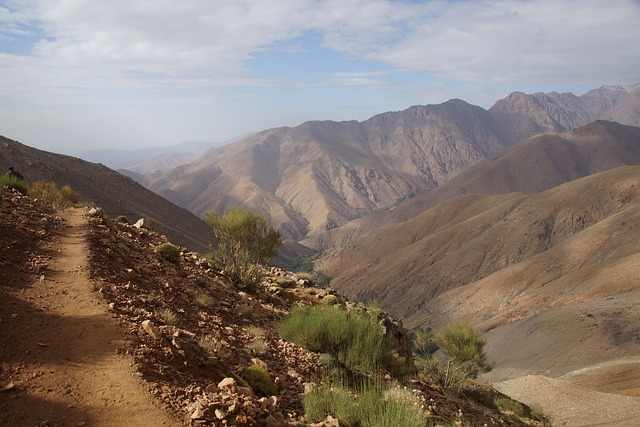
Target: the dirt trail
pixel 60 356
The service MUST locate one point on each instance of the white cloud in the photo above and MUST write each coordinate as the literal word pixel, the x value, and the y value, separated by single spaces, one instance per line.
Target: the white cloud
pixel 199 52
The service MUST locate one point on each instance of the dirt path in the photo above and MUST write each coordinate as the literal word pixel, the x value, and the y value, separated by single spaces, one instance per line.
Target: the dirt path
pixel 60 356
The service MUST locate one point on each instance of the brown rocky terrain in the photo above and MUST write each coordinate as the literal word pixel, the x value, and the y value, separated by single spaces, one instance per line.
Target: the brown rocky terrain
pixel 115 193
pixel 523 115
pixel 86 298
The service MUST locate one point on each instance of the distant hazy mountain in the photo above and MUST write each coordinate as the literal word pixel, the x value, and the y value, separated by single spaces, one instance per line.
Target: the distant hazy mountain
pixel 113 192
pixel 521 115
pixel 151 159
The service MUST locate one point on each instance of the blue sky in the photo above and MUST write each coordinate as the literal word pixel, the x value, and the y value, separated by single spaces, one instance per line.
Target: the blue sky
pixel 84 74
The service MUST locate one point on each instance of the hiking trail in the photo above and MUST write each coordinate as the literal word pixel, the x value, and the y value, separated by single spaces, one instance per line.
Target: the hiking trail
pixel 61 356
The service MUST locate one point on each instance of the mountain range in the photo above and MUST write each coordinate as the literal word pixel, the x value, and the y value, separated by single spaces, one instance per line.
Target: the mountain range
pixel 520 218
pixel 321 175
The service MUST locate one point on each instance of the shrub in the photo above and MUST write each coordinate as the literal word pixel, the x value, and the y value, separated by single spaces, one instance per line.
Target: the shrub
pixel 504 404
pixel 169 251
pixel 331 300
pixel 209 344
pixel 370 405
pixel 259 345
pixel 48 194
pixel 464 346
pixel 260 381
pixel 12 182
pixel 423 342
pixel 204 299
pixel 355 340
pixel 245 244
pixel 168 317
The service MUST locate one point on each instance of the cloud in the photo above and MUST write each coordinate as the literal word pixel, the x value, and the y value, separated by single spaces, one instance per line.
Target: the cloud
pixel 206 42
pixel 208 52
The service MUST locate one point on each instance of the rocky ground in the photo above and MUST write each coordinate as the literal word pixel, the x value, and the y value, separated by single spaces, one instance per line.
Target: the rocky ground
pixel 183 333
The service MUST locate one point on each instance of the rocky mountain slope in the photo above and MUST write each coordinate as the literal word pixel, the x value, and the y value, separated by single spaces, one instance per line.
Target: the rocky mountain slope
pixel 192 360
pixel 549 276
pixel 534 165
pixel 523 115
pixel 321 175
pixel 116 193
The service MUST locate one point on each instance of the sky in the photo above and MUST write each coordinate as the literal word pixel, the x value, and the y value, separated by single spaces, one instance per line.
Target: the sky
pixel 91 74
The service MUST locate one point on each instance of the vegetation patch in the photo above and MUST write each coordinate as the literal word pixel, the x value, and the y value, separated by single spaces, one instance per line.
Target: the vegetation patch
pixel 169 252
pixel 355 340
pixel 260 382
pixel 168 317
pixel 370 405
pixel 245 243
pixel 14 183
pixel 48 194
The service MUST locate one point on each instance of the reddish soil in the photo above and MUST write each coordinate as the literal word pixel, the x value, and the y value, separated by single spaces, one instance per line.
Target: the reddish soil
pixel 61 361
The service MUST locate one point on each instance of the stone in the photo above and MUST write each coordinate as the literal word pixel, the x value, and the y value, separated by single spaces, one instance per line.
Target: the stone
pixel 228 384
pixel 220 414
pixel 211 388
pixel 145 223
pixel 245 391
pixel 309 387
pixel 151 329
pixel 198 414
pixel 260 363
pixel 271 421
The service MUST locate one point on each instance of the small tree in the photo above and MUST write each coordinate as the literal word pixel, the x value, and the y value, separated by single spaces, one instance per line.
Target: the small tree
pixel 464 348
pixel 245 243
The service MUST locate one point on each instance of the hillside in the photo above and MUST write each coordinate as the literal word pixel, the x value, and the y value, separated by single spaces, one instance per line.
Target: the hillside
pixel 116 193
pixel 321 175
pixel 523 115
pixel 62 324
pixel 534 165
pixel 514 264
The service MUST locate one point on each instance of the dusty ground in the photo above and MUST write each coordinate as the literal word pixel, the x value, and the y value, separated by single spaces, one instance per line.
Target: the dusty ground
pixel 61 364
pixel 570 405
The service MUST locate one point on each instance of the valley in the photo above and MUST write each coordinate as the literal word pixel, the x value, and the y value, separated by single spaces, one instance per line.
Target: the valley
pixel 521 219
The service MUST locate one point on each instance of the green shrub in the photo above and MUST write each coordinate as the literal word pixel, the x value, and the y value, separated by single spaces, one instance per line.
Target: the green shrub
pixel 331 300
pixel 245 244
pixel 464 346
pixel 355 340
pixel 15 183
pixel 504 404
pixel 169 251
pixel 370 405
pixel 260 381
pixel 423 342
pixel 168 316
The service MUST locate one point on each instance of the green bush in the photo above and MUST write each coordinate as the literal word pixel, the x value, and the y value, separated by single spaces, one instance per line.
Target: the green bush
pixel 370 405
pixel 504 404
pixel 423 342
pixel 245 244
pixel 260 381
pixel 169 251
pixel 464 346
pixel 15 183
pixel 355 340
